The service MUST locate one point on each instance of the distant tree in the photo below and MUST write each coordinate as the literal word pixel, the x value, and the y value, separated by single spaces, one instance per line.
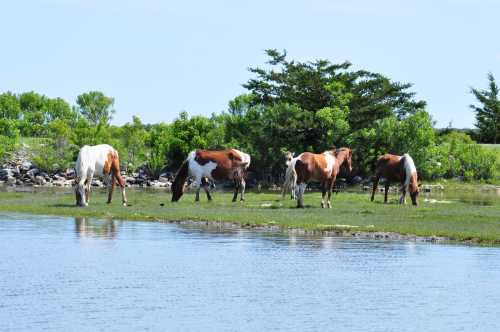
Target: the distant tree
pixel 134 140
pixel 33 116
pixel 96 107
pixel 10 107
pixel 488 113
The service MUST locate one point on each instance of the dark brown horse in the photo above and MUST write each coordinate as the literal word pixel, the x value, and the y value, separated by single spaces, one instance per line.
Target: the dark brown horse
pixel 323 167
pixel 397 169
pixel 215 165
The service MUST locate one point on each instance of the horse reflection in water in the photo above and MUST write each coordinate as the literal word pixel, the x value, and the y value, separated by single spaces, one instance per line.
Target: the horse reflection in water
pixel 86 227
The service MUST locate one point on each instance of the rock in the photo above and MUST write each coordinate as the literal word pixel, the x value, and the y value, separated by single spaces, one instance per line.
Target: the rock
pixel 33 172
pixel 11 181
pixel 40 180
pixel 26 166
pixel 5 173
pixel 163 179
pixel 70 173
pixel 357 179
pixel 97 183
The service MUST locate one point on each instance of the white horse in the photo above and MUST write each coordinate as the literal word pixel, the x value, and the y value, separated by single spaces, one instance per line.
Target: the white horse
pixel 290 176
pixel 101 160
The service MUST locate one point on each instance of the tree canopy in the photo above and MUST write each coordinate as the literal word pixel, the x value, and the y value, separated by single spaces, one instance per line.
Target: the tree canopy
pixel 488 113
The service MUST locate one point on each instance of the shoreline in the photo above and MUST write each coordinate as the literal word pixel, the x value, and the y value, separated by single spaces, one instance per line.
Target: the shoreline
pixel 344 233
pixel 352 216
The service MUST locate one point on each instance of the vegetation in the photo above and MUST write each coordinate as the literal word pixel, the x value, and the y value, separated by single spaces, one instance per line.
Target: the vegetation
pixel 488 114
pixel 456 219
pixel 289 105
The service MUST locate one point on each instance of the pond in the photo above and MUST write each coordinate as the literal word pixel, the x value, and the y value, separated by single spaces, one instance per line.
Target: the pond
pixel 86 274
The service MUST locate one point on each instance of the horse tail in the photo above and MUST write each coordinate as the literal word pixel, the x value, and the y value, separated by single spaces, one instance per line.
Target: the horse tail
pixel 290 178
pixel 409 169
pixel 179 180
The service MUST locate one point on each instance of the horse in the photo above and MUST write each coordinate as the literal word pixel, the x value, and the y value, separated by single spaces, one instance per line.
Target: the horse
pixel 397 168
pixel 290 179
pixel 101 160
pixel 215 165
pixel 323 167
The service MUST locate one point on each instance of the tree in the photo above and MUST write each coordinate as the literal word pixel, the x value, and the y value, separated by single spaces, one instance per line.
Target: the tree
pixel 315 85
pixel 488 114
pixel 96 107
pixel 10 107
pixel 134 140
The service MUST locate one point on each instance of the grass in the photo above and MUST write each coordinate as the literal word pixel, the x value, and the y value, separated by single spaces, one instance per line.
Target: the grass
pixel 459 221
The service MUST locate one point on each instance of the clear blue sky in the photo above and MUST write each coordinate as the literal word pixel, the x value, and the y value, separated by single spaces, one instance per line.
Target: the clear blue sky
pixel 160 57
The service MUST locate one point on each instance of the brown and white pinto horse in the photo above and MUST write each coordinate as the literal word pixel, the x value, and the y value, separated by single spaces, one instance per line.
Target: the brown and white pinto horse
pixel 101 160
pixel 215 165
pixel 397 168
pixel 323 167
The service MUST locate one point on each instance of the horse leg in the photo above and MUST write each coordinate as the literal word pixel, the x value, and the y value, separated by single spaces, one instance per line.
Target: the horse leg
pixel 111 188
pixel 236 189
pixel 330 188
pixel 402 199
pixel 323 194
pixel 375 185
pixel 300 194
pixel 207 190
pixel 87 189
pixel 197 197
pixel 243 185
pixel 386 191
pixel 118 177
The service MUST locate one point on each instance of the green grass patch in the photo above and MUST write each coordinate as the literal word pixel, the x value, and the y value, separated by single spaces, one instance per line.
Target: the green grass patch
pixel 459 220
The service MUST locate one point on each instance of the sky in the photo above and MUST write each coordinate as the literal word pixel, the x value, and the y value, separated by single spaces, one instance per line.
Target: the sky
pixel 157 58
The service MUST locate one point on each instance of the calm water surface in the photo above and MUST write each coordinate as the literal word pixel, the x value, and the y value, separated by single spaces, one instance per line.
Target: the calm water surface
pixel 73 275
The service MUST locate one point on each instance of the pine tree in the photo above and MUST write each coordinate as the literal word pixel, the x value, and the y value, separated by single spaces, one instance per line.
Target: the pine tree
pixel 488 113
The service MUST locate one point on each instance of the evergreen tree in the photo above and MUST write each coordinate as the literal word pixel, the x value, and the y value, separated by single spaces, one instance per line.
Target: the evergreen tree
pixel 488 113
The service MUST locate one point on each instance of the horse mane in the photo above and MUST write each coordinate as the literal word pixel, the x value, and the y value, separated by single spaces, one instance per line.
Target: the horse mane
pixel 179 180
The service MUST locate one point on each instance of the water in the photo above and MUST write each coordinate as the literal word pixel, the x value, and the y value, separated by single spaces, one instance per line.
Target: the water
pixel 72 275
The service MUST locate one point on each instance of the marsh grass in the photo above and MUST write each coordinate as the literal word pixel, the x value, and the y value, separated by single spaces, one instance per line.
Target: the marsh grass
pixel 455 219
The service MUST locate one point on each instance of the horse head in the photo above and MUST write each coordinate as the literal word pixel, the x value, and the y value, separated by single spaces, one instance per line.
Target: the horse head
pixel 80 193
pixel 288 157
pixel 344 155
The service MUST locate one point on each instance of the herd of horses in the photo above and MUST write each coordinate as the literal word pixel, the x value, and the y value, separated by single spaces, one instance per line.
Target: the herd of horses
pixel 204 165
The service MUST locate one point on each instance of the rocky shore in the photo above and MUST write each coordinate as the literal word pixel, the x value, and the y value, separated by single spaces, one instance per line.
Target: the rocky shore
pixel 19 171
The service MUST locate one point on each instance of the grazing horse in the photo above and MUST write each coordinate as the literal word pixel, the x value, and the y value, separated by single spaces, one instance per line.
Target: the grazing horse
pixel 290 177
pixel 215 165
pixel 397 168
pixel 101 160
pixel 323 167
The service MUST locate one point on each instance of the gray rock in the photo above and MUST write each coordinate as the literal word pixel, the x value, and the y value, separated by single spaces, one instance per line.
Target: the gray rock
pixel 26 165
pixel 11 181
pixel 40 180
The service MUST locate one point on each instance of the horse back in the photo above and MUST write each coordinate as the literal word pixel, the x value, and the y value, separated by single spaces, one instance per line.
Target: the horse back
pixel 390 167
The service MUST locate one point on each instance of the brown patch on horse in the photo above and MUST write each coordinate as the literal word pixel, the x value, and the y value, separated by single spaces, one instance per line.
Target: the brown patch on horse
pixel 109 162
pixel 390 167
pixel 219 157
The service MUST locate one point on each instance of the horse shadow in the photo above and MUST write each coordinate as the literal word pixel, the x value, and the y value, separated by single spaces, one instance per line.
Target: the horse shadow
pixel 61 205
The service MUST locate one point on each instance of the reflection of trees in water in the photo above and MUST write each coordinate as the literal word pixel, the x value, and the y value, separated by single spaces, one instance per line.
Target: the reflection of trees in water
pixel 86 227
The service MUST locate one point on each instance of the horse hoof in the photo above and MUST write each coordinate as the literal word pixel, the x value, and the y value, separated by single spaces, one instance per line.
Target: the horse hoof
pixel 162 204
pixel 124 204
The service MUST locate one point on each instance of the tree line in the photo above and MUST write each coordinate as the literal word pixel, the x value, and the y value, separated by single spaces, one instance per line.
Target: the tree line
pixel 289 106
